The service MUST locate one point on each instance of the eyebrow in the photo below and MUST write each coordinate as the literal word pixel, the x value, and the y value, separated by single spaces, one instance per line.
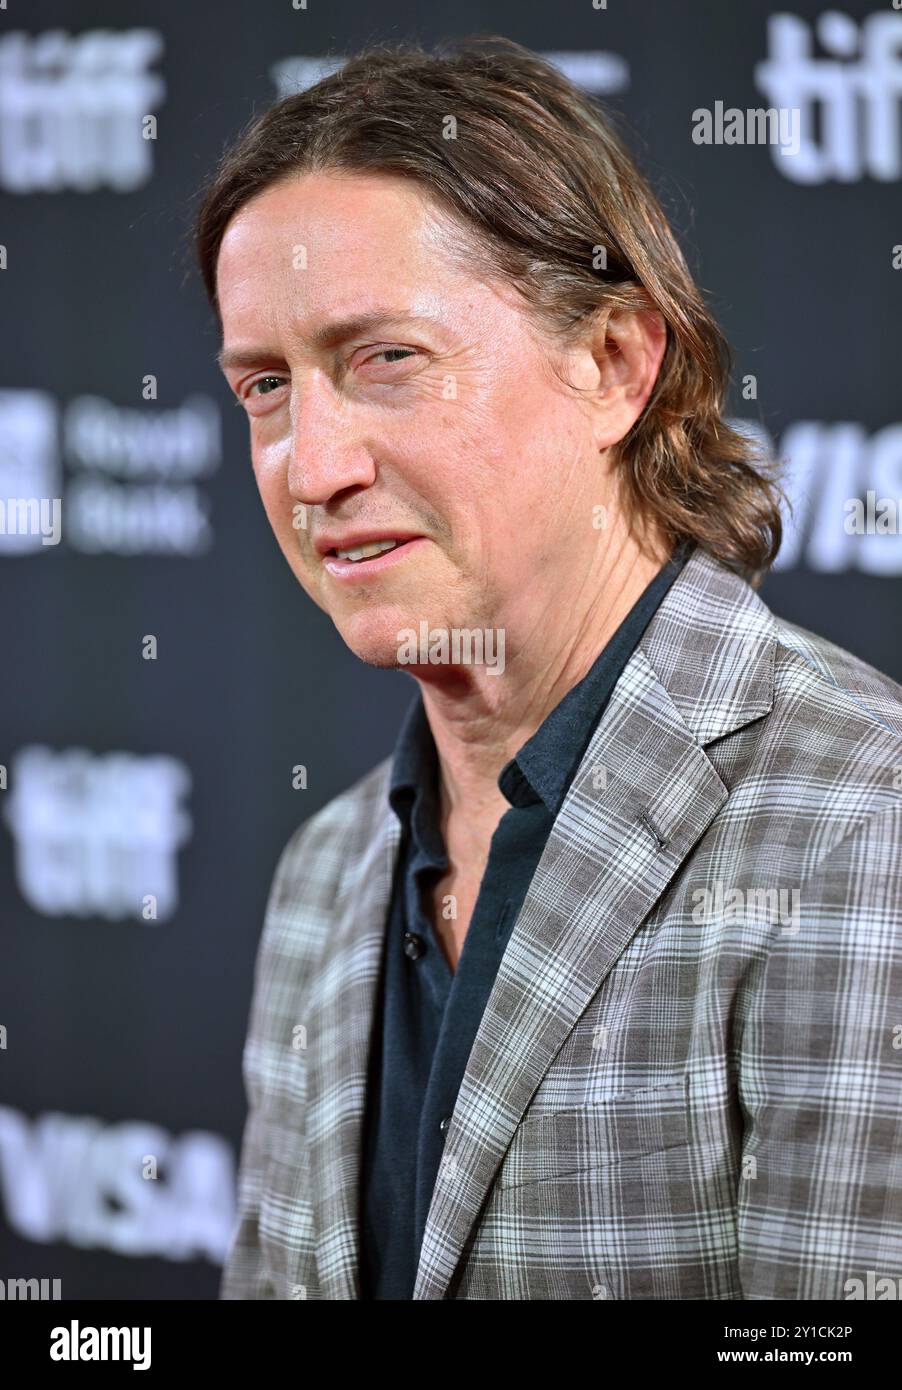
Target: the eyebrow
pixel 329 335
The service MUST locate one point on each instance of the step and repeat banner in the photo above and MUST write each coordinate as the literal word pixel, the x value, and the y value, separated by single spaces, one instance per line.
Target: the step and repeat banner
pixel 172 705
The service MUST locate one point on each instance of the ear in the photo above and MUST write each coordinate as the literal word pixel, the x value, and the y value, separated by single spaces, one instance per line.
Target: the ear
pixel 628 347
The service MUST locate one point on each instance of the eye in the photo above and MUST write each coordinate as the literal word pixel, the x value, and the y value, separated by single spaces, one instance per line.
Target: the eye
pixel 264 382
pixel 393 354
pixel 383 357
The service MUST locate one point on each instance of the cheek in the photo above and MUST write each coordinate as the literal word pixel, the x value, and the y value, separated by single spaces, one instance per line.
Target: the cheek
pixel 275 497
pixel 284 514
pixel 272 484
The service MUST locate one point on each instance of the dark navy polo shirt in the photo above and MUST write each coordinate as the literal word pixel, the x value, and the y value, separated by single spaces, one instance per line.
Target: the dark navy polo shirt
pixel 427 1015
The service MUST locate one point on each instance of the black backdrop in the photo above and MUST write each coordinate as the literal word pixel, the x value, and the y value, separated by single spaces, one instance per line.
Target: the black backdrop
pixel 124 776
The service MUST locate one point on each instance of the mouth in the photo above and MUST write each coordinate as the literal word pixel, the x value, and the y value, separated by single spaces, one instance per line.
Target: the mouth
pixel 371 558
pixel 365 552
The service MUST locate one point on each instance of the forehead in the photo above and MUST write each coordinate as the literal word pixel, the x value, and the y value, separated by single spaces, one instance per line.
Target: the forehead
pixel 322 241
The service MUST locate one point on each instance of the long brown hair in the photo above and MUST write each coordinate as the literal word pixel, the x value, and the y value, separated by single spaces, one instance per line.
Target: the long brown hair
pixel 552 201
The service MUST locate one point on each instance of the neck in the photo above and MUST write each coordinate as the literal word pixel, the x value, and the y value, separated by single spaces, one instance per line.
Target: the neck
pixel 479 721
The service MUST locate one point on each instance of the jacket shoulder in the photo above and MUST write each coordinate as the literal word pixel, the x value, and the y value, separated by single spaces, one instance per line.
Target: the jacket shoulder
pixel 827 759
pixel 848 685
pixel 319 851
pixel 839 722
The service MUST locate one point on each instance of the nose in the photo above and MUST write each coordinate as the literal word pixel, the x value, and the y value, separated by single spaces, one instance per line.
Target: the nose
pixel 328 453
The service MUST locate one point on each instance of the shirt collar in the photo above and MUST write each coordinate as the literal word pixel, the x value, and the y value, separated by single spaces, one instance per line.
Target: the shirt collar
pixel 413 786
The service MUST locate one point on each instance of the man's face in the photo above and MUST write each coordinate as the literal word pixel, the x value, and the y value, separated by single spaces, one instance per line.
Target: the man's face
pixel 440 423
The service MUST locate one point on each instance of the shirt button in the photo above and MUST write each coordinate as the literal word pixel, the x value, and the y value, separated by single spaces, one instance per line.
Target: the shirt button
pixel 443 1124
pixel 414 945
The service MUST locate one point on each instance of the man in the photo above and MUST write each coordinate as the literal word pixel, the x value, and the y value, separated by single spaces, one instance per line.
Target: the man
pixel 594 989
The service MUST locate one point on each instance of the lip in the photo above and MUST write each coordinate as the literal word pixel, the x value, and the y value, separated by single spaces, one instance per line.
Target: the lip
pixel 360 570
pixel 352 540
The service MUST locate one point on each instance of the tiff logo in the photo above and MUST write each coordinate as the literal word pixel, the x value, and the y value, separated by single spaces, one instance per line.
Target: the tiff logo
pixel 851 95
pixel 75 110
pixel 98 834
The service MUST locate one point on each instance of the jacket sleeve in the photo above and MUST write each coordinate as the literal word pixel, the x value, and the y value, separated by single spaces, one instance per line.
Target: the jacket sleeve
pixel 244 1274
pixel 819 1059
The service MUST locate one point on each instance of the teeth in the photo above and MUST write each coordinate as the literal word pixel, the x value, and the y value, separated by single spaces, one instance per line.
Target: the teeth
pixel 364 552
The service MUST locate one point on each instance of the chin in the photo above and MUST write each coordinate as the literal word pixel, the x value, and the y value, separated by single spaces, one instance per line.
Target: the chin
pixel 373 636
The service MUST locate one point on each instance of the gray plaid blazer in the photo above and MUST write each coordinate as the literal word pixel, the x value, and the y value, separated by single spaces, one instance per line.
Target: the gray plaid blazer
pixel 687 1083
